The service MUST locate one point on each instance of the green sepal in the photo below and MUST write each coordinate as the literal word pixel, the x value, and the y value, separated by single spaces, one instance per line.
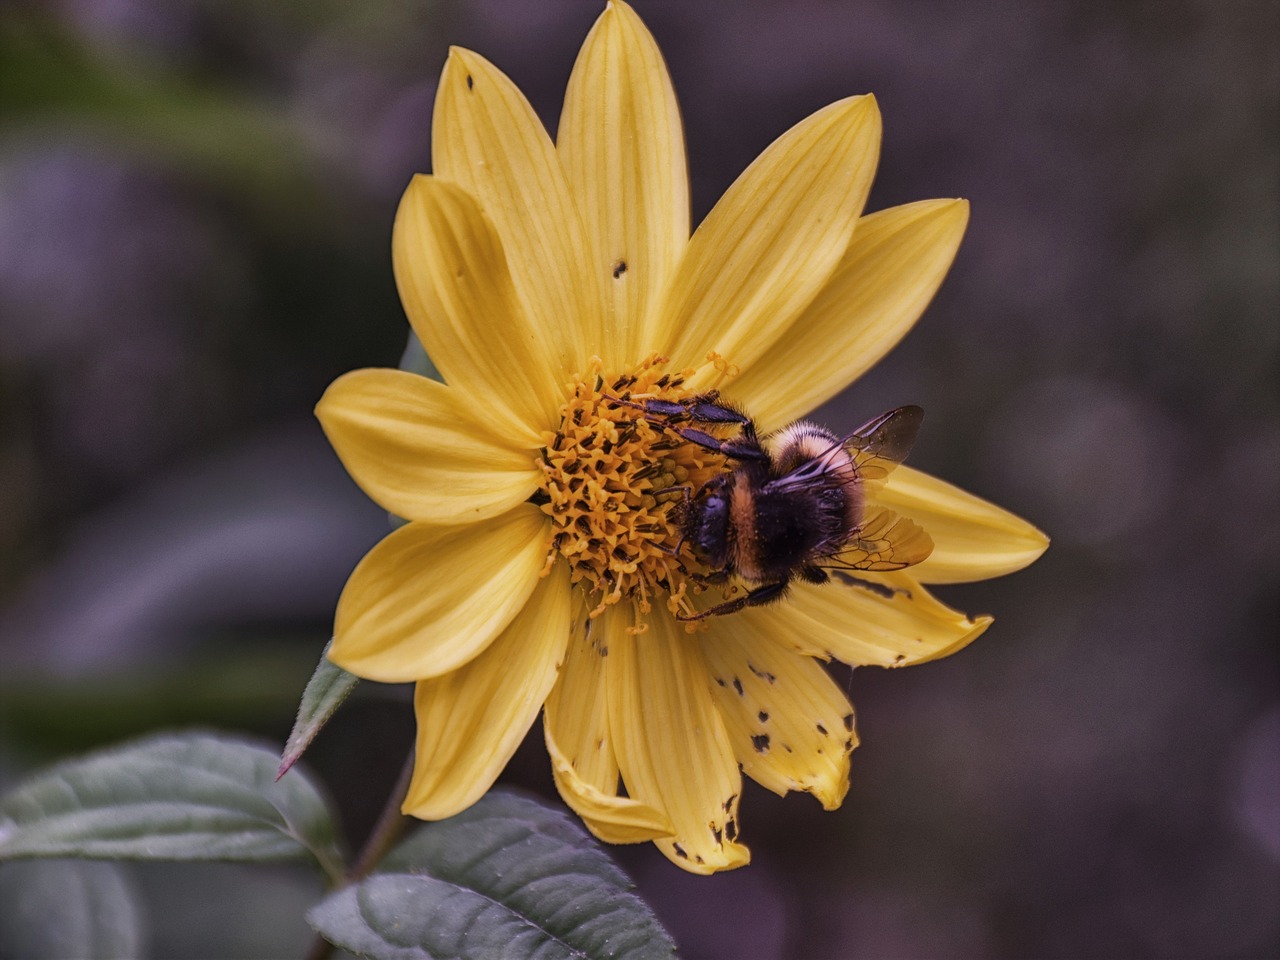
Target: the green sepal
pixel 328 687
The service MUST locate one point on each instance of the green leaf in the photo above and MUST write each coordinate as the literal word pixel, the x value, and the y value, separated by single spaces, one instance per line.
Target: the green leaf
pixel 68 908
pixel 508 878
pixel 324 693
pixel 170 797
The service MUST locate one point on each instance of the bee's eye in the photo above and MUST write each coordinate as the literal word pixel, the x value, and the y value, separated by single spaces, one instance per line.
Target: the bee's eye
pixel 710 532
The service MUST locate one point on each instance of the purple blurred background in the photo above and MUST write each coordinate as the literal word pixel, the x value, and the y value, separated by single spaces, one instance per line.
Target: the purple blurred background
pixel 195 208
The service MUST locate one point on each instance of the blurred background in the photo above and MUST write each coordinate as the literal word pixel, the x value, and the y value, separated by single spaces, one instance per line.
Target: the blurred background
pixel 195 208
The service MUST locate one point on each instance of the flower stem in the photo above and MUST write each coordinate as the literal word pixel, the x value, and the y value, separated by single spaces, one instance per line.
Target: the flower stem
pixel 391 823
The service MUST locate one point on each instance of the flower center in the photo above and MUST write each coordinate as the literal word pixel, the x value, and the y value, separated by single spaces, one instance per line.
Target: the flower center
pixel 615 481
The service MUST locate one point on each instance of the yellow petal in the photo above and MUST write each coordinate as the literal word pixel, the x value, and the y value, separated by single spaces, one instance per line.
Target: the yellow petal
pixel 428 598
pixel 456 288
pixel 623 150
pixel 972 538
pixel 770 244
pixel 877 619
pixel 612 818
pixel 486 138
pixel 892 268
pixel 672 746
pixel 413 446
pixel 576 724
pixel 470 721
pixel 577 711
pixel 790 724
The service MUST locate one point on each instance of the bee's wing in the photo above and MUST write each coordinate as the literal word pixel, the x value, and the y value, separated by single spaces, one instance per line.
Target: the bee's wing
pixel 882 443
pixel 886 541
pixel 873 450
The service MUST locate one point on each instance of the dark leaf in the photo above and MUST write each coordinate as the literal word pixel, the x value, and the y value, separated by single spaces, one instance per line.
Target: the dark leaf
pixel 52 909
pixel 508 878
pixel 170 797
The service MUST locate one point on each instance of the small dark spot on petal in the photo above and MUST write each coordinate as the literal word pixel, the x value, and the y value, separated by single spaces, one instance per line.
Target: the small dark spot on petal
pixel 470 82
pixel 619 269
pixel 761 742
pixel 699 859
pixel 848 722
pixel 787 748
pixel 679 851
pixel 720 680
pixel 717 833
pixel 737 685
pixel 764 717
pixel 848 746
pixel 822 730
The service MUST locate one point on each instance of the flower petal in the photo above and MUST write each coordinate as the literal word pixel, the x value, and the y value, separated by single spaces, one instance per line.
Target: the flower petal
pixel 623 150
pixel 875 619
pixel 486 138
pixel 428 598
pixel 672 746
pixel 472 720
pixel 612 818
pixel 414 448
pixel 576 724
pixel 892 268
pixel 457 291
pixel 972 538
pixel 577 712
pixel 770 244
pixel 790 724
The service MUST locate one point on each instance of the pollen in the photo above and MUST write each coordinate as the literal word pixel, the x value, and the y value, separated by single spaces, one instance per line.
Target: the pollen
pixel 615 484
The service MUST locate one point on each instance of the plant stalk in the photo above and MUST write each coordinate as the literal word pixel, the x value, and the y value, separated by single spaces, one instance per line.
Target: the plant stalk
pixel 391 824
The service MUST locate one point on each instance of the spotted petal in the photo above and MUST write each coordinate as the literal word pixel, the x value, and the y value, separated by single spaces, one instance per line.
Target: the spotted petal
pixel 790 724
pixel 892 268
pixel 576 724
pixel 623 150
pixel 770 244
pixel 972 538
pixel 471 720
pixel 414 447
pixel 429 598
pixel 486 138
pixel 672 746
pixel 873 619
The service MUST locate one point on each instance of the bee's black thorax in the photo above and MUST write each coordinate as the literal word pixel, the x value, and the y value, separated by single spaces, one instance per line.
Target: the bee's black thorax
pixel 791 528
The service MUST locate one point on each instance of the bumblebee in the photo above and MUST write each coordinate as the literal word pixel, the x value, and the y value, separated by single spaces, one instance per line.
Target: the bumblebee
pixel 794 504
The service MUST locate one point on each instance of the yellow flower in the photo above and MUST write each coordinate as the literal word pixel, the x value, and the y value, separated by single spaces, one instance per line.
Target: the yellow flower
pixel 539 568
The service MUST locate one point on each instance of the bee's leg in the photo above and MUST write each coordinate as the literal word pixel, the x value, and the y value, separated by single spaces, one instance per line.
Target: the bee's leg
pixel 702 409
pixel 757 597
pixel 667 409
pixel 812 574
pixel 746 447
pixel 705 409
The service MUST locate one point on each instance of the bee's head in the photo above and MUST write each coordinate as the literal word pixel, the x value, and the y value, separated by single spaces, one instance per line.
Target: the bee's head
pixel 706 524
